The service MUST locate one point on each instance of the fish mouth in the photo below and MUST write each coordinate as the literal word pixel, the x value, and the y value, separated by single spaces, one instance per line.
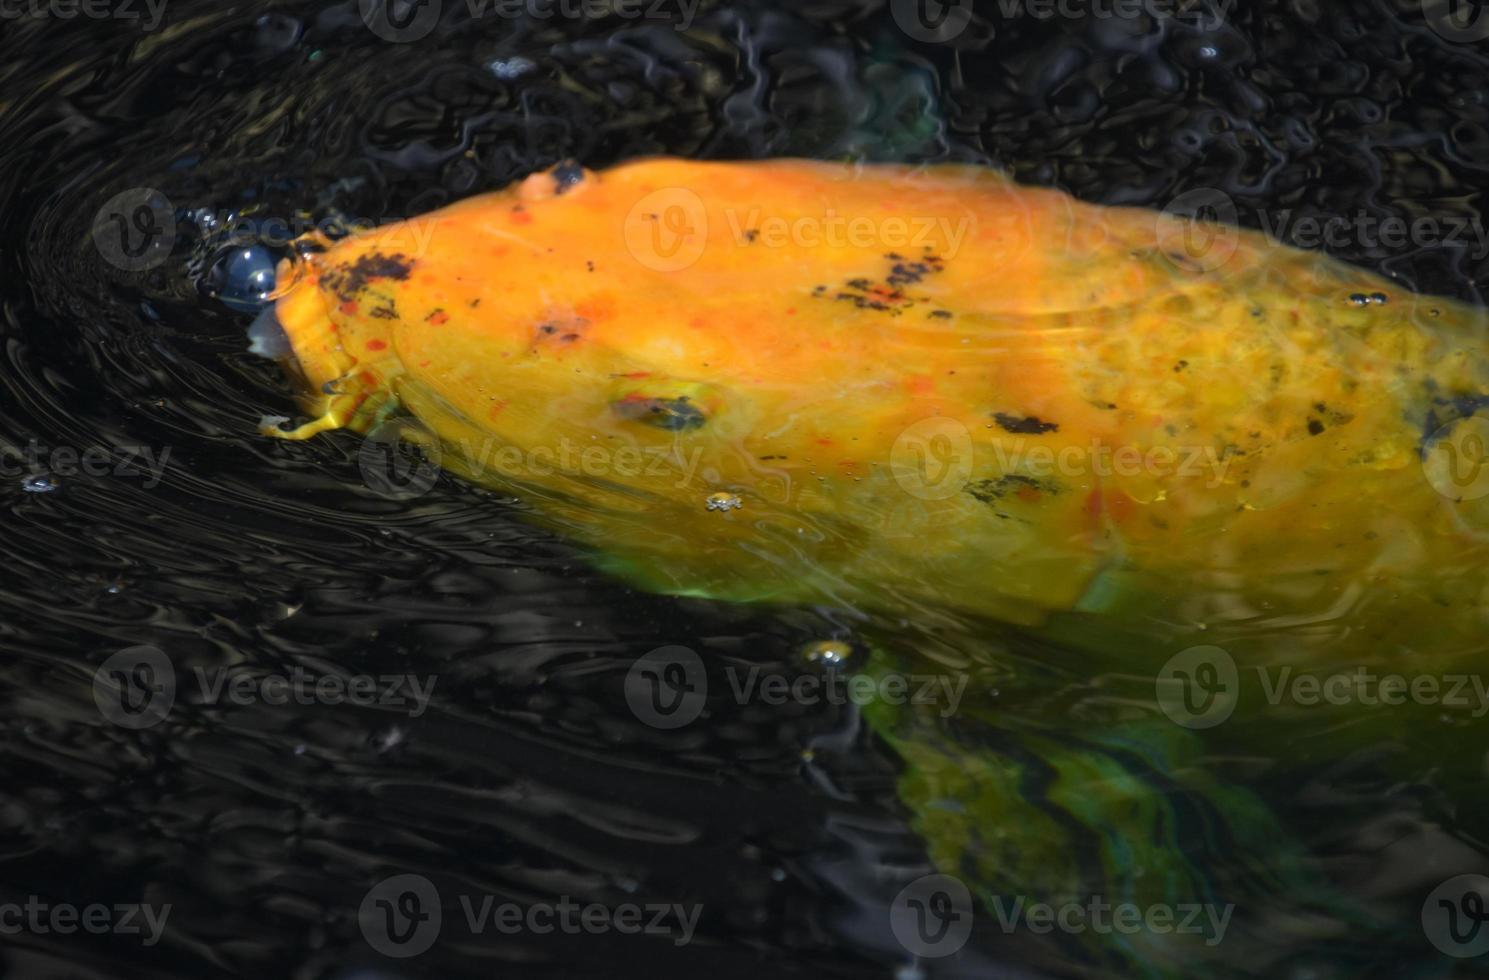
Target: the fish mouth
pixel 267 338
pixel 297 330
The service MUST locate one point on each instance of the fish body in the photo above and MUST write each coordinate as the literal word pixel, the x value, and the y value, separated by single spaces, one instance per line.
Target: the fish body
pixel 975 412
pixel 895 388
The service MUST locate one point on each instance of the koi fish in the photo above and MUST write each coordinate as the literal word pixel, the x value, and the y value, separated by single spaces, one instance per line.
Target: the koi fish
pixel 922 385
pixel 931 392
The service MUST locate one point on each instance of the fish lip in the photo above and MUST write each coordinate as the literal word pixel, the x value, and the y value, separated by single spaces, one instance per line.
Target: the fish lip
pixel 267 337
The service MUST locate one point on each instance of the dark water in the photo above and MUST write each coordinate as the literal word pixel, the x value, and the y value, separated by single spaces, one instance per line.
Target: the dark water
pixel 529 777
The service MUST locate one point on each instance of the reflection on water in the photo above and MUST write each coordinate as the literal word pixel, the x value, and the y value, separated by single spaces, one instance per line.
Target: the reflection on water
pixel 364 685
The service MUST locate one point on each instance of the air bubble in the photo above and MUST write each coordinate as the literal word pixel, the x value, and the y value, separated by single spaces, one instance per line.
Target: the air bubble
pixel 243 278
pixel 723 501
pixel 827 653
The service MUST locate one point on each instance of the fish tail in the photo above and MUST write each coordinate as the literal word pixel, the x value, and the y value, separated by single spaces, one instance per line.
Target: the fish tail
pixel 1028 812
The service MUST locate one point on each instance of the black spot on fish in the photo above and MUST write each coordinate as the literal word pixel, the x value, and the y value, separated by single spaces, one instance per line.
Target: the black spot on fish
pixel 1315 427
pixel 940 314
pixel 1455 408
pixel 349 280
pixel 1332 416
pixel 991 491
pixel 751 235
pixel 1185 262
pixel 672 414
pixel 1030 426
pixel 561 329
pixel 908 273
pixel 1180 366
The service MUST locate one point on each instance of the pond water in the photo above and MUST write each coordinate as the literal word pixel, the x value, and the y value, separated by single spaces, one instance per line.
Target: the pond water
pixel 156 159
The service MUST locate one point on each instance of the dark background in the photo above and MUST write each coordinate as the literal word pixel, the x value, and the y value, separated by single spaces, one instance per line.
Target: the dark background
pixel 529 777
